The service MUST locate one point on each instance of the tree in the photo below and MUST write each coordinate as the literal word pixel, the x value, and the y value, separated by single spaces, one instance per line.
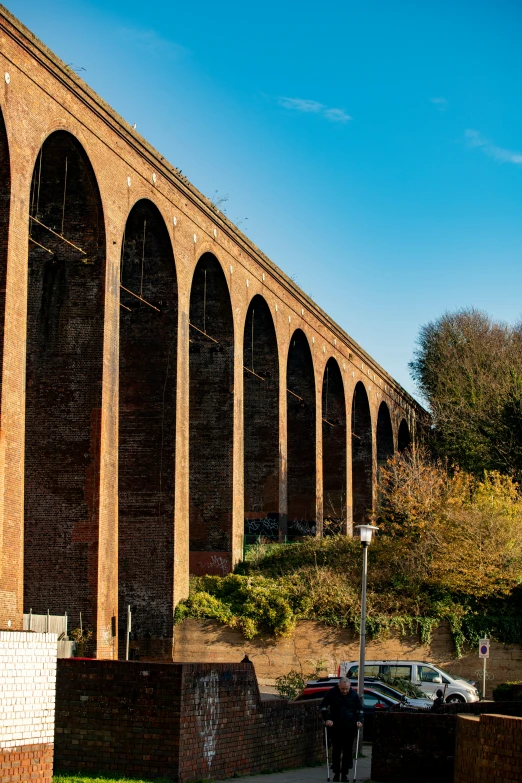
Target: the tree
pixel 452 531
pixel 469 369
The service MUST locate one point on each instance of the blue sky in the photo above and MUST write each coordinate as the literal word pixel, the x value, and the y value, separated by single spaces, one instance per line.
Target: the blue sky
pixel 373 150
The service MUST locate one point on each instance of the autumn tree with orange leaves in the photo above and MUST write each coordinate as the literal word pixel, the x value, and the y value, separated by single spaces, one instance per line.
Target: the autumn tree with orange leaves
pixel 451 529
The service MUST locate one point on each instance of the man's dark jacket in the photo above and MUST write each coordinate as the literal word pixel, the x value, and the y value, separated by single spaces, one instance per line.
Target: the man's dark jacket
pixel 342 710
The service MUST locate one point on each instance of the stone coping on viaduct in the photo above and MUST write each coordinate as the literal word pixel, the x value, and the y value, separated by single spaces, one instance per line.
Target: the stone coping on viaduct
pixel 166 390
pixel 71 81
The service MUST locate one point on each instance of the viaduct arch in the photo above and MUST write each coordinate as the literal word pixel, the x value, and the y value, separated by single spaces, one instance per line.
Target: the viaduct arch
pixel 64 352
pixel 261 422
pixel 165 387
pixel 334 432
pixel 147 423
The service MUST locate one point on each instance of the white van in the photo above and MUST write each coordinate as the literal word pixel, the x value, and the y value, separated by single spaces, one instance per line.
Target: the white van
pixel 426 676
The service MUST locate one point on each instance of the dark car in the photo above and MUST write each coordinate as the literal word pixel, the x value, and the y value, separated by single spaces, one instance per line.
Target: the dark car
pixel 373 701
pixel 389 690
pixel 375 684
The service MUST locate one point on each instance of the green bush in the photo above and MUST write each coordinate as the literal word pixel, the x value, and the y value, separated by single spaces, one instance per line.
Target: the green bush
pixel 320 579
pixel 508 691
pixel 291 684
pixel 255 605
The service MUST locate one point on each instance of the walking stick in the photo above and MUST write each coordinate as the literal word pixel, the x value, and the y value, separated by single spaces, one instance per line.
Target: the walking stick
pixel 327 761
pixel 356 756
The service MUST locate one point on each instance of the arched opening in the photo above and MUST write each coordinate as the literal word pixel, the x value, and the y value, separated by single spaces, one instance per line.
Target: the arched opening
pixel 211 419
pixel 147 430
pixel 334 450
pixel 404 439
pixel 63 382
pixel 261 423
pixel 301 441
pixel 5 202
pixel 362 473
pixel 384 436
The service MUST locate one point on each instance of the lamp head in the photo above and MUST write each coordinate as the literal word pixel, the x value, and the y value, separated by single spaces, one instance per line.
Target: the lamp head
pixel 365 533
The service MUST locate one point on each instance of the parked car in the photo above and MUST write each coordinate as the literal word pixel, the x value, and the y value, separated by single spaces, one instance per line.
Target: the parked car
pixel 375 684
pixel 426 676
pixel 388 690
pixel 373 702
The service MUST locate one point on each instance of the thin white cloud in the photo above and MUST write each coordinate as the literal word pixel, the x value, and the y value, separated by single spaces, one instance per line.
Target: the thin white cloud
pixel 440 103
pixel 149 41
pixel 299 104
pixel 337 115
pixel 314 107
pixel 476 140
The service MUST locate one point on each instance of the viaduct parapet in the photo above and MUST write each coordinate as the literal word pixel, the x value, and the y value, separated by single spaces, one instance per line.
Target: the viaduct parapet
pixel 166 390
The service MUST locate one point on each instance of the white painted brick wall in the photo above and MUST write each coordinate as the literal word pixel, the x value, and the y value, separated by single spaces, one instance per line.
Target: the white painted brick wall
pixel 27 688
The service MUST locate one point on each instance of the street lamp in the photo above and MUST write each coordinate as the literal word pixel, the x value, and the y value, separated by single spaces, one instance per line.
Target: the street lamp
pixel 365 533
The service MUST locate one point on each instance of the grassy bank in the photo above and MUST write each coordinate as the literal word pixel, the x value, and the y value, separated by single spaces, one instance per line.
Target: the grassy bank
pixel 319 579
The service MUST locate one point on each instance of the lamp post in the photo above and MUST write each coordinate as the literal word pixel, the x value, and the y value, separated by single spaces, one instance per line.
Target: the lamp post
pixel 365 533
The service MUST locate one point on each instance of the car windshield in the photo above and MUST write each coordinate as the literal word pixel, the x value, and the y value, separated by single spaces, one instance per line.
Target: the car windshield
pixel 387 690
pixel 446 674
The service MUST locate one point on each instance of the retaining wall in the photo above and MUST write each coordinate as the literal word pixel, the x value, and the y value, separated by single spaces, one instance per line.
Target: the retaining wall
pixel 207 640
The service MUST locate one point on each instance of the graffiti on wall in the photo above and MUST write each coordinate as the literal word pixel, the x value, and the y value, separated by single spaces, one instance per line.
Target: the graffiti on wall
pixel 207 710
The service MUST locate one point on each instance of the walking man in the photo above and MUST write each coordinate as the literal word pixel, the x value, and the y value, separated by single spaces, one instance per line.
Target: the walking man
pixel 342 712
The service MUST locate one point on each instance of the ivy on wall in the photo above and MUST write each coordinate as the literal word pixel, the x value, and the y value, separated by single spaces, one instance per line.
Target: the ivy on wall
pixel 319 580
pixel 449 549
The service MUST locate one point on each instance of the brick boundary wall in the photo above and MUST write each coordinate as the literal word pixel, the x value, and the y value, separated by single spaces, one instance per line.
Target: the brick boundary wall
pixel 234 732
pixel 186 722
pixel 488 748
pixel 27 762
pixel 27 691
pixel 411 747
pixel 467 750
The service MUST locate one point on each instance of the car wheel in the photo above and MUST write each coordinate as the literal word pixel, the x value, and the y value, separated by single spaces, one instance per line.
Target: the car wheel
pixel 455 699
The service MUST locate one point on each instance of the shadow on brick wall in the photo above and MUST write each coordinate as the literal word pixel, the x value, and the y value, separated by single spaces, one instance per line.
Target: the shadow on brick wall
pixel 413 747
pixel 183 721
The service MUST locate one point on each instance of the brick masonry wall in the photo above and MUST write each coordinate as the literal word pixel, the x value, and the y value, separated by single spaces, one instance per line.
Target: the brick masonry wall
pixel 64 380
pixel 467 748
pixel 27 702
pixel 27 762
pixel 147 431
pixel 488 749
pixel 226 729
pixel 211 410
pixel 410 747
pixel 301 429
pixel 362 462
pixel 207 640
pixel 334 450
pixel 41 99
pixel 5 197
pixel 188 722
pixel 117 715
pixel 261 422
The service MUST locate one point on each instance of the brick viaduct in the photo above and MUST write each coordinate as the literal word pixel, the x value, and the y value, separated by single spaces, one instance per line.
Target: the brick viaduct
pixel 165 387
